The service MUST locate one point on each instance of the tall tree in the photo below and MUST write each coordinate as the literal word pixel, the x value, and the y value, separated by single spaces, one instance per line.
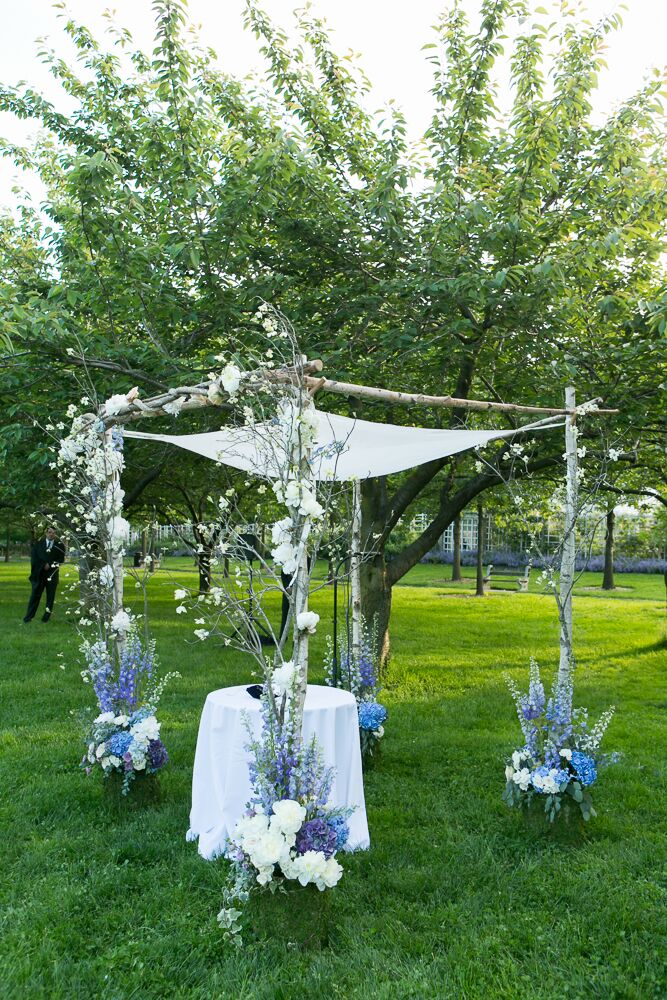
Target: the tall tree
pixel 504 257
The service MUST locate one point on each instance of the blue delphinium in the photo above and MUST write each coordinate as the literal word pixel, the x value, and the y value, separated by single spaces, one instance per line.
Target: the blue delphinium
pixel 371 715
pixel 560 758
pixel 585 768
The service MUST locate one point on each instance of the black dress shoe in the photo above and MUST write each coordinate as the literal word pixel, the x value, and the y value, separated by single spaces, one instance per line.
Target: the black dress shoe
pixel 45 618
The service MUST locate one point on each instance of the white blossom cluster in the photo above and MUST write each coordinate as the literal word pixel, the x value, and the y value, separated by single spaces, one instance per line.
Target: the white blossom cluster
pixel 270 840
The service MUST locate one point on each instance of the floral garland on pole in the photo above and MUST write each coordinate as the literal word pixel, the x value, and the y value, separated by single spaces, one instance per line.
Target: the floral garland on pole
pixel 560 757
pixel 120 661
pixel 289 833
pixel 360 674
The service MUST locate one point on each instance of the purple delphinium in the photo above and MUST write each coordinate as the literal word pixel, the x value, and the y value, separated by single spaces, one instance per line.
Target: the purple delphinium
pixel 283 767
pixel 317 835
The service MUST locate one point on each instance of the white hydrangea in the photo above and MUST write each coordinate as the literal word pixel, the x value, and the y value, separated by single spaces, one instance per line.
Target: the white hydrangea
pixel 121 622
pixel 146 729
pixel 104 717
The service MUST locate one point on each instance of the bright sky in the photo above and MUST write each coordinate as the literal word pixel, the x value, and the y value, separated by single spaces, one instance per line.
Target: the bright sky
pixel 388 34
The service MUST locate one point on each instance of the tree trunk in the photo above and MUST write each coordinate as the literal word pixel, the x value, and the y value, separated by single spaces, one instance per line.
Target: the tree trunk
pixel 479 591
pixel 608 577
pixel 374 572
pixel 456 559
pixel 376 600
pixel 204 569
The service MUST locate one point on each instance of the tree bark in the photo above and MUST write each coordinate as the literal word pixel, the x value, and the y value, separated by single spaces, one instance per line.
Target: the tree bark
pixel 456 558
pixel 479 591
pixel 204 570
pixel 608 576
pixel 376 600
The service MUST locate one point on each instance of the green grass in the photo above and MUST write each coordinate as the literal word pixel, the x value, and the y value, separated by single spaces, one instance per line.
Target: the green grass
pixel 458 896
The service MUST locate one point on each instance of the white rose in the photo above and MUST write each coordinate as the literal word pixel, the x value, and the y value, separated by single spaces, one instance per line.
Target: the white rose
pixel 284 555
pixel 522 779
pixel 310 867
pixel 104 717
pixel 121 720
pixel 284 678
pixel 101 750
pixel 309 505
pixel 307 621
pixel 250 829
pixel 332 873
pixel 214 395
pixel 230 379
pixel 289 815
pixel 119 529
pixel 509 771
pixel 268 849
pixel 281 531
pixel 566 753
pixel 115 404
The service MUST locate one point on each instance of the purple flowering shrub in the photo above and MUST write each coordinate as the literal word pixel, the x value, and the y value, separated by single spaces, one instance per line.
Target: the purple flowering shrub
pixel 362 678
pixel 125 736
pixel 560 757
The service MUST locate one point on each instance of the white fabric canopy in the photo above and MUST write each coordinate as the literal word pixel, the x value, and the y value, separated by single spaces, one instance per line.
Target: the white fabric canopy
pixel 221 780
pixel 345 448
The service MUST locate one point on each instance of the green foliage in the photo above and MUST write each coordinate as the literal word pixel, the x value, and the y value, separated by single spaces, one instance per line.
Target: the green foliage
pixel 502 257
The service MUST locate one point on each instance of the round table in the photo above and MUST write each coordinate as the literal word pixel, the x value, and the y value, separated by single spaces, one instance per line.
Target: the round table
pixel 220 780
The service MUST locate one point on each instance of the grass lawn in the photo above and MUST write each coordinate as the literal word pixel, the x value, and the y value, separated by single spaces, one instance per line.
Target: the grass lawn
pixel 458 896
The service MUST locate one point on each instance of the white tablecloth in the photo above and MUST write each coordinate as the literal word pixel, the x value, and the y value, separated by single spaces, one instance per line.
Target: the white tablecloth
pixel 220 781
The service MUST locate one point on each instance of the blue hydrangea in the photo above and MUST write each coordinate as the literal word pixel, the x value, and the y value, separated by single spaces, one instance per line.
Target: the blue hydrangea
pixel 120 743
pixel 585 767
pixel 340 827
pixel 371 715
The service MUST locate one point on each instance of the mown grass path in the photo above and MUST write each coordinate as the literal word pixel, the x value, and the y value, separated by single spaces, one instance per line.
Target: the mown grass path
pixel 457 898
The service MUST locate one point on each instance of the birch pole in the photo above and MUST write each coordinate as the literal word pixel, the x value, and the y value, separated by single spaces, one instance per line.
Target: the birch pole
pixel 567 564
pixel 301 579
pixel 116 544
pixel 355 572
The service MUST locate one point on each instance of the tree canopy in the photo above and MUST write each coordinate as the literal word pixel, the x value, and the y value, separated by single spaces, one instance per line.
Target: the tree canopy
pixel 503 256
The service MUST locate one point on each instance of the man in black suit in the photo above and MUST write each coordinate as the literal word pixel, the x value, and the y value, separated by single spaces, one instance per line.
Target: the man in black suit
pixel 45 559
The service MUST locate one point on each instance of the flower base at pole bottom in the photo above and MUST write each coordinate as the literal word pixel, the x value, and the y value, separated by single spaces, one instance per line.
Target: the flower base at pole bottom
pixel 300 917
pixel 143 791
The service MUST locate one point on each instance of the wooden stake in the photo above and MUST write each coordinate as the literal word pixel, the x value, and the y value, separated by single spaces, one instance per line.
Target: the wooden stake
pixel 568 557
pixel 355 572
